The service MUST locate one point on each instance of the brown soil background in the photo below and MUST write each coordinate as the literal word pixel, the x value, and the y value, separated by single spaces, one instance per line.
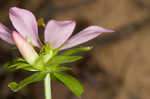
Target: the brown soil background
pixel 118 67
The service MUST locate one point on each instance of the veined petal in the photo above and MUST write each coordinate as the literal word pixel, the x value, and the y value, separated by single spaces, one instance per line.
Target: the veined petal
pixel 25 23
pixel 5 34
pixel 84 36
pixel 57 32
pixel 25 48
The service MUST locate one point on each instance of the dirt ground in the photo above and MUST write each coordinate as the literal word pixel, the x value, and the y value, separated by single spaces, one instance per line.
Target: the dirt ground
pixel 118 67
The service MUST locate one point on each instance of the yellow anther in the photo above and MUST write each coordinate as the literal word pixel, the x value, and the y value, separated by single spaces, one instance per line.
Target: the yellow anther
pixel 41 22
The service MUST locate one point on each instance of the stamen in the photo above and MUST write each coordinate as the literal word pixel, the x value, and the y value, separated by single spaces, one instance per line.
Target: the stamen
pixel 41 22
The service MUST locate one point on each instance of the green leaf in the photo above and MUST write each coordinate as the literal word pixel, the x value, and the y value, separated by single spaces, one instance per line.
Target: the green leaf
pixel 51 68
pixel 63 59
pixel 76 50
pixel 16 64
pixel 36 77
pixel 56 68
pixel 63 68
pixel 29 68
pixel 69 81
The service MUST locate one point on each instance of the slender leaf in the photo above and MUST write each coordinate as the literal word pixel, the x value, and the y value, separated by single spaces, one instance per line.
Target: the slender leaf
pixel 76 50
pixel 18 64
pixel 36 77
pixel 63 68
pixel 56 68
pixel 69 81
pixel 51 68
pixel 63 59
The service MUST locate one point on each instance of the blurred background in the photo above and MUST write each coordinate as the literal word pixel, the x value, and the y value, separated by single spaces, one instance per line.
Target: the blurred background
pixel 118 67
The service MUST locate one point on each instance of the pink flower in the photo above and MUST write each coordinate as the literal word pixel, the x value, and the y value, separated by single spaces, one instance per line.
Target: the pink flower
pixel 57 33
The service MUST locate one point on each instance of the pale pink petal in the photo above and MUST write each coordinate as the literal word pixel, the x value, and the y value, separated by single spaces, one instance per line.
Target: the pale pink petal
pixel 25 23
pixel 85 35
pixel 5 34
pixel 57 32
pixel 26 50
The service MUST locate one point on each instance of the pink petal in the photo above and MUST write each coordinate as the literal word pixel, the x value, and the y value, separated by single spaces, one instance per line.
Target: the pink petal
pixel 57 32
pixel 25 48
pixel 85 35
pixel 25 23
pixel 5 34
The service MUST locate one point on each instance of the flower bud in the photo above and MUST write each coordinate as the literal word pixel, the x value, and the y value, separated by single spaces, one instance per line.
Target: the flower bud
pixel 26 50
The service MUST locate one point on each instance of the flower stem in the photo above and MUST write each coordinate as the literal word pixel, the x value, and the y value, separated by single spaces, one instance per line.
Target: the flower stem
pixel 47 86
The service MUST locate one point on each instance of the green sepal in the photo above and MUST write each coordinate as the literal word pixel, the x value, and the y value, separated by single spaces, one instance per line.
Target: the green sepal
pixel 46 53
pixel 70 82
pixel 46 50
pixel 76 50
pixel 60 59
pixel 36 77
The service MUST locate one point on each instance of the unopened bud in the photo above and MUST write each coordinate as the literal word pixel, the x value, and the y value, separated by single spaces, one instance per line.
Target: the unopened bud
pixel 26 50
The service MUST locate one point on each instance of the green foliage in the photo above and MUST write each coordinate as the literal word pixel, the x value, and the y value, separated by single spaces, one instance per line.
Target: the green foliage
pixel 48 62
pixel 55 68
pixel 76 50
pixel 18 63
pixel 63 68
pixel 36 77
pixel 63 59
pixel 69 81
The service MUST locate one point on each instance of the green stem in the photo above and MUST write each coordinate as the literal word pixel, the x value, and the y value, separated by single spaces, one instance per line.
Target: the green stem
pixel 47 86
